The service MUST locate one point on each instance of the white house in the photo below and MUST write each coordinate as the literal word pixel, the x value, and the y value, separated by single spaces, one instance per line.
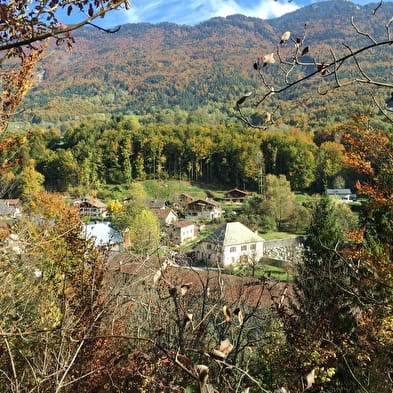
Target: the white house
pixel 165 216
pixel 182 231
pixel 232 243
pixel 343 194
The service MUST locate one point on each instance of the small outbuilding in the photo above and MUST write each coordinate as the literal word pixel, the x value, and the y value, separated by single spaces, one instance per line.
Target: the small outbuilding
pixel 343 194
pixel 165 216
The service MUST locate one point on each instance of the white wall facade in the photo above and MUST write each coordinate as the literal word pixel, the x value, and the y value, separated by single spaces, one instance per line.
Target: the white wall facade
pixel 214 254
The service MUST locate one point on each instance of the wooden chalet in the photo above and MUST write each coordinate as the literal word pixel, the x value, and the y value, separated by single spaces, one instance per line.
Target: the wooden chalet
pixel 184 199
pixel 203 208
pixel 90 207
pixel 236 195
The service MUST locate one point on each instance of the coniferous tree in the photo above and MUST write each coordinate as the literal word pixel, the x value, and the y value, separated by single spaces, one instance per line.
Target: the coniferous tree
pixel 319 324
pixel 322 265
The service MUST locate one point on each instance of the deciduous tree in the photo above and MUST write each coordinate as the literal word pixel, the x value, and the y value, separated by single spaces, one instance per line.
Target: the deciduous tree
pixel 279 194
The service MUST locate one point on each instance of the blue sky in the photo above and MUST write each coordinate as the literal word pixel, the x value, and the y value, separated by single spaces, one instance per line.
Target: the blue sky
pixel 192 12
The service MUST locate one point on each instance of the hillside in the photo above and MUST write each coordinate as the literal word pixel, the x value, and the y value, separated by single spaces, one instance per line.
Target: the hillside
pixel 145 68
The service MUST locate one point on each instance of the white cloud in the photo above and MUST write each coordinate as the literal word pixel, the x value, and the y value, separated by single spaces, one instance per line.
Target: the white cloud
pixel 276 9
pixel 192 12
pixel 264 9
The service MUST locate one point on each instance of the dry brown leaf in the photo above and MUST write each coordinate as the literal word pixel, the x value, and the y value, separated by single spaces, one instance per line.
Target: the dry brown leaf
pixel 239 315
pixel 285 37
pixel 187 320
pixel 216 354
pixel 185 288
pixel 242 99
pixel 202 372
pixel 310 378
pixel 227 314
pixel 225 346
pixel 305 51
pixel 268 59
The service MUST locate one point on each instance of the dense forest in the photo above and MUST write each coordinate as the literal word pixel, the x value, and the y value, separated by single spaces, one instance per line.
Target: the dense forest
pixel 122 151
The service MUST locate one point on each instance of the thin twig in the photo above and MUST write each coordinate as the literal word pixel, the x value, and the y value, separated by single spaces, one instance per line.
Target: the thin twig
pixel 361 32
pixel 61 30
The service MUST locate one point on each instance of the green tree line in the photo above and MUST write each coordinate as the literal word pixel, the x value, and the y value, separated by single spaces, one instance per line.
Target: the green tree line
pixel 122 150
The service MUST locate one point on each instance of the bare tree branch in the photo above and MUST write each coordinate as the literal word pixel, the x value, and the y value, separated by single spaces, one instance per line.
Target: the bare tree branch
pixel 325 68
pixel 64 29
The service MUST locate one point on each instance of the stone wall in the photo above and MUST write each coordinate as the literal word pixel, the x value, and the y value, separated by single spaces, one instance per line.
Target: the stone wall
pixel 289 249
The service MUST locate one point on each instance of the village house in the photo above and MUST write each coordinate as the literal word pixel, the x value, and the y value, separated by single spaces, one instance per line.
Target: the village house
pixel 343 194
pixel 181 232
pixel 10 208
pixel 203 208
pixel 236 196
pixel 230 244
pixel 91 207
pixel 156 271
pixel 165 216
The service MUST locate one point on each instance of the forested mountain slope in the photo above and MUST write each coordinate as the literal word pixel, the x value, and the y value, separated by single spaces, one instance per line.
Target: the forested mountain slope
pixel 145 68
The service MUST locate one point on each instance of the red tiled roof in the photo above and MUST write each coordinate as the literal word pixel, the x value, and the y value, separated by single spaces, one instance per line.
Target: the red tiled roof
pixel 12 202
pixel 231 289
pixel 162 213
pixel 182 224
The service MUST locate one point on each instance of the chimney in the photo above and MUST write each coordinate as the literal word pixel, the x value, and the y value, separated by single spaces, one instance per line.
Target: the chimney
pixel 126 238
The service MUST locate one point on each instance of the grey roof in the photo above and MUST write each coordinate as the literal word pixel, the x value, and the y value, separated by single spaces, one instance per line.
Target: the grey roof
pixel 338 191
pixel 233 233
pixel 156 203
pixel 103 233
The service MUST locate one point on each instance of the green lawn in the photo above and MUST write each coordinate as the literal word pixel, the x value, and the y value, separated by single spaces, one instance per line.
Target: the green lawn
pixel 274 272
pixel 276 235
pixel 159 189
pixel 171 189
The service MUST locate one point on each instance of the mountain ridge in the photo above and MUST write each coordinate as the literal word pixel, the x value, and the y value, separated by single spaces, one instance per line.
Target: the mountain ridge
pixel 148 67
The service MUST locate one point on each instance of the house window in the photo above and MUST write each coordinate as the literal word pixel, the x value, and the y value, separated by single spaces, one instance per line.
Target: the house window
pixel 244 248
pixel 209 246
pixel 232 249
pixel 253 246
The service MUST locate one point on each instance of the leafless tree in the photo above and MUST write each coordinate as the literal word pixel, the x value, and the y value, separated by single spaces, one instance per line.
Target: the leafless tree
pixel 293 64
